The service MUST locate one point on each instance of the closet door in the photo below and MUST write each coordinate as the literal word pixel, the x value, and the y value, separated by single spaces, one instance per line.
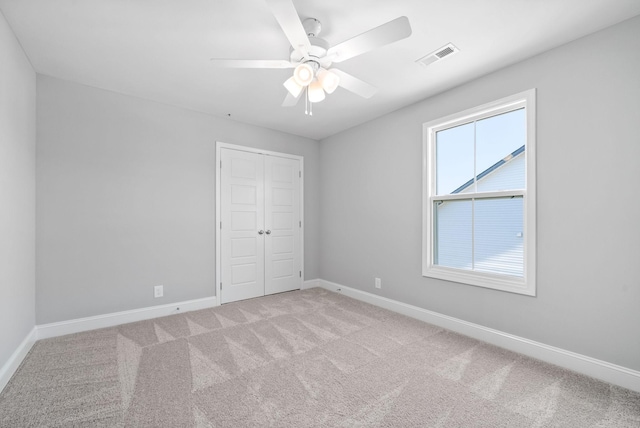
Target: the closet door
pixel 283 261
pixel 242 217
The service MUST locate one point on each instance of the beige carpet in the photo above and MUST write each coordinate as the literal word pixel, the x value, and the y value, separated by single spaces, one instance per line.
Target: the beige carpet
pixel 302 359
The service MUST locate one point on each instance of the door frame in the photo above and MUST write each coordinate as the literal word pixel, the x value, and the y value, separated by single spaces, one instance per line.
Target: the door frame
pixel 216 226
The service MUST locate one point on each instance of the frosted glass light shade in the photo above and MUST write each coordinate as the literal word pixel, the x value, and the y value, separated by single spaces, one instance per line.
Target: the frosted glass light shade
pixel 329 80
pixel 293 87
pixel 316 93
pixel 303 74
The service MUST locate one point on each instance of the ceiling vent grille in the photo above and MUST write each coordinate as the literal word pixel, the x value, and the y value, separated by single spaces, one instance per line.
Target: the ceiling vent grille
pixel 438 54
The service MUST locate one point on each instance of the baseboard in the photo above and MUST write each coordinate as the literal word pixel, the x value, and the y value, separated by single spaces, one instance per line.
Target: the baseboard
pixel 612 373
pixel 109 320
pixel 310 283
pixel 10 367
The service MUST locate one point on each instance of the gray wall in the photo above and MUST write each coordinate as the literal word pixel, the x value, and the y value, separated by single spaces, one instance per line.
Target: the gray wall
pixel 17 193
pixel 126 199
pixel 588 112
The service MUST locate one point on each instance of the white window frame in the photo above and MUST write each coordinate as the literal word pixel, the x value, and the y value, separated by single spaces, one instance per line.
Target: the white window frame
pixel 522 285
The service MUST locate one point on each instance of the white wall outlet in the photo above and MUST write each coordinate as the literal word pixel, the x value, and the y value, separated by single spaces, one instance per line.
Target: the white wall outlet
pixel 378 283
pixel 158 291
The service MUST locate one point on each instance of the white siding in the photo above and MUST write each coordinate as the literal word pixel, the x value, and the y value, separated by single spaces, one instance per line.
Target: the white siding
pixel 453 240
pixel 498 243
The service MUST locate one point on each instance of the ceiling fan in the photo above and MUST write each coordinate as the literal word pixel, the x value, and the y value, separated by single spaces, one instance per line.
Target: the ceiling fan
pixel 312 57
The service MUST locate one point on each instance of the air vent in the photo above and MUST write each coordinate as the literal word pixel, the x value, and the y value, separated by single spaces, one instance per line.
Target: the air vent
pixel 444 52
pixel 438 54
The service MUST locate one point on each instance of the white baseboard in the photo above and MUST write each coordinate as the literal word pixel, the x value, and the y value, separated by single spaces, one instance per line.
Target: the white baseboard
pixel 310 283
pixel 109 320
pixel 10 367
pixel 612 373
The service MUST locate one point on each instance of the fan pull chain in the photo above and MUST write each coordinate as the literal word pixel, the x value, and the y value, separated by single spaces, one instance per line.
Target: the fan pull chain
pixel 306 100
pixel 308 105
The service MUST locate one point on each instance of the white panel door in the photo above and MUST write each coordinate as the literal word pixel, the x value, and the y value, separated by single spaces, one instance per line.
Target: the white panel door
pixel 283 261
pixel 260 224
pixel 242 218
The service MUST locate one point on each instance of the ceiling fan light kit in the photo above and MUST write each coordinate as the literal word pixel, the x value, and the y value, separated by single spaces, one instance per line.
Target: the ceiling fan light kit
pixel 293 87
pixel 329 80
pixel 316 93
pixel 312 57
pixel 303 74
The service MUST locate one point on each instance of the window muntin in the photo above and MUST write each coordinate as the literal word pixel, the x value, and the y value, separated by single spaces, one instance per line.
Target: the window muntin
pixel 479 210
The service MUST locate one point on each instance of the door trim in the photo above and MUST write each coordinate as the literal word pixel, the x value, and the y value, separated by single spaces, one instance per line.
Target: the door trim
pixel 216 226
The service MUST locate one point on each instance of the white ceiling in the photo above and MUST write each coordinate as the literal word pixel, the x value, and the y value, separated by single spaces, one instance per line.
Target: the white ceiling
pixel 161 50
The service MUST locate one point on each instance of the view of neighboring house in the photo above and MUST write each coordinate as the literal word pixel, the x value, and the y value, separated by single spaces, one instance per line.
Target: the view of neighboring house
pixel 495 223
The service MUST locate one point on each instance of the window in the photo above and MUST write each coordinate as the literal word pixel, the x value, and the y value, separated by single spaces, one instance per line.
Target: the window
pixel 479 196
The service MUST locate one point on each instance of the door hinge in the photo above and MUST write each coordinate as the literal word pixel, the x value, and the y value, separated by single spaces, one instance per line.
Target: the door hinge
pixel 220 225
pixel 300 174
pixel 220 286
pixel 220 164
pixel 300 274
pixel 300 223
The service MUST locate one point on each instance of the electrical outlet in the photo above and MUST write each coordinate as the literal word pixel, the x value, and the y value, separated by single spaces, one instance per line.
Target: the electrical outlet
pixel 378 283
pixel 158 291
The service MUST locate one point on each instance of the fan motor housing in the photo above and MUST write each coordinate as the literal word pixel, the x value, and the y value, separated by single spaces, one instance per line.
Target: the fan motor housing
pixel 317 52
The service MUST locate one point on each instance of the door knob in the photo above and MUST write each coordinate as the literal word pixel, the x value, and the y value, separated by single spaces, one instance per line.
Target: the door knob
pixel 260 232
pixel 268 232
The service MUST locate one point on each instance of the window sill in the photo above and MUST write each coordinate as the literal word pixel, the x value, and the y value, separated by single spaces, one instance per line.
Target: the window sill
pixel 510 284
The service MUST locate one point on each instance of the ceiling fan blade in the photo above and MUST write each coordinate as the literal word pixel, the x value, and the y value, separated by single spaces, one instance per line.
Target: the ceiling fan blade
pixel 285 13
pixel 251 63
pixel 290 100
pixel 354 84
pixel 390 32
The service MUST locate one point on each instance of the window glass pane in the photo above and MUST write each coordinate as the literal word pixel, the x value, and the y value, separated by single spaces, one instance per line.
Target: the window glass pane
pixel 498 240
pixel 500 142
pixel 452 230
pixel 454 158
